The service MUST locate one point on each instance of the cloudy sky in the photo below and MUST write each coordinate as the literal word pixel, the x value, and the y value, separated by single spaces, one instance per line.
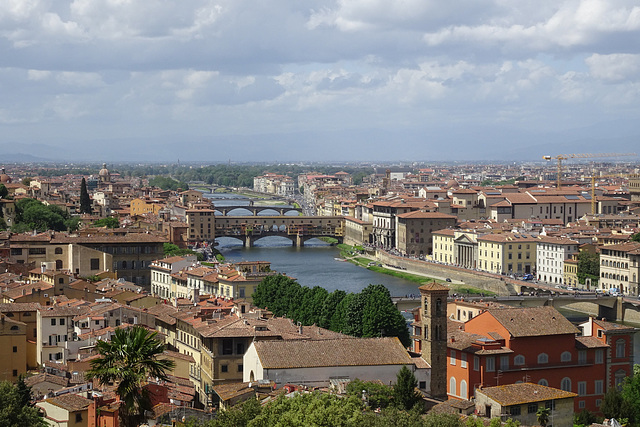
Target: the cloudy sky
pixel 252 80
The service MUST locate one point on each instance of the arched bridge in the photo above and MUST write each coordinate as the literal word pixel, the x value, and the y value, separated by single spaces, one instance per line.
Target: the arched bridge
pixel 298 229
pixel 224 210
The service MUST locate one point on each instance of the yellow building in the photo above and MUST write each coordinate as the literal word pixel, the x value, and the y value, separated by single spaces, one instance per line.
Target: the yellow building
pixel 571 271
pixel 13 349
pixel 510 253
pixel 69 410
pixel 443 246
pixel 142 206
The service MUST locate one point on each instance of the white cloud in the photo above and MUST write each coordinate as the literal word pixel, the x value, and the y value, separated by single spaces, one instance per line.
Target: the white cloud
pixel 616 67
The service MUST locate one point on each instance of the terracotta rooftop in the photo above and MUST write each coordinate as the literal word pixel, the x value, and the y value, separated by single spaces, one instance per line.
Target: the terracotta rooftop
pixel 70 402
pixel 518 394
pixel 534 321
pixel 327 353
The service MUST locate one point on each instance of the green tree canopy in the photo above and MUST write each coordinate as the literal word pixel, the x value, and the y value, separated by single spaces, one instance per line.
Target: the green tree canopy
pixel 128 360
pixel 369 313
pixel 109 222
pixel 170 249
pixel 16 409
pixel 32 214
pixel 588 267
pixel 405 395
pixel 3 191
pixel 636 237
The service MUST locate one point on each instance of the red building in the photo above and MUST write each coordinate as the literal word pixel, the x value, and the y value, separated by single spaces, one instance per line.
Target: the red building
pixel 512 345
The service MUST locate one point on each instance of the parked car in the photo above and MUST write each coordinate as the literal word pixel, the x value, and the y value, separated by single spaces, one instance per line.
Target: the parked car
pixel 448 280
pixel 527 276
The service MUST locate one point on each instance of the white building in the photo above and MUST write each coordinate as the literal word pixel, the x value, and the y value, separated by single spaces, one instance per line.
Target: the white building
pixel 161 271
pixel 551 252
pixel 314 363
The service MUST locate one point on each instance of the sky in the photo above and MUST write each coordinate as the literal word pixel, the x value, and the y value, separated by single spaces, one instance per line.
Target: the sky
pixel 318 80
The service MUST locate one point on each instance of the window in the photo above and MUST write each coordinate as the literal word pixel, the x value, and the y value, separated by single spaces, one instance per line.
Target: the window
pixel 78 418
pixel 224 368
pixel 514 410
pixel 619 379
pixel 504 363
pixel 599 356
pixel 62 322
pixel 58 251
pixel 452 359
pixel 53 322
pixel 463 389
pixel 565 357
pixel 95 263
pixel 452 386
pixel 598 402
pixel 37 251
pixel 227 346
pixel 240 368
pixel 565 384
pixel 543 382
pixel 582 357
pixel 582 404
pixel 620 348
pixel 598 387
pixel 15 372
pixel 532 408
pixel 476 363
pixel 463 360
pixel 543 358
pixel 518 360
pixel 15 349
pixel 582 388
pixel 240 348
pixel 491 364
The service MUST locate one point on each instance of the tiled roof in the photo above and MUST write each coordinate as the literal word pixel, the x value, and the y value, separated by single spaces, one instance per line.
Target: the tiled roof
pixel 612 327
pixel 534 321
pixel 518 394
pixel 231 390
pixel 589 342
pixel 327 353
pixel 48 378
pixel 433 286
pixel 70 402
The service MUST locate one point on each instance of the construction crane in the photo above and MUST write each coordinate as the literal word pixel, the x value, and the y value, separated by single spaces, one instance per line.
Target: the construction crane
pixel 562 157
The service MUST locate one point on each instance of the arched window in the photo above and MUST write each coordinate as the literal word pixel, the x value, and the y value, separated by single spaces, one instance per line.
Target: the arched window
pixel 619 379
pixel 543 382
pixel 543 358
pixel 565 384
pixel 14 328
pixel 518 360
pixel 438 306
pixel 452 386
pixel 565 357
pixel 58 251
pixel 124 265
pixel 620 348
pixel 463 389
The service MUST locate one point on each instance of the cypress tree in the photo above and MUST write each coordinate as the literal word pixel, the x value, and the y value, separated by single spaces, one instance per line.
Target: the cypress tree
pixel 85 201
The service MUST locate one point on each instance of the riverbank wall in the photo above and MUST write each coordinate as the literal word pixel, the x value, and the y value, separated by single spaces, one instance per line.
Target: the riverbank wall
pixel 477 279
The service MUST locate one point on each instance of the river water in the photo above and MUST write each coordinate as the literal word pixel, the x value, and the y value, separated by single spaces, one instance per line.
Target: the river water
pixel 314 264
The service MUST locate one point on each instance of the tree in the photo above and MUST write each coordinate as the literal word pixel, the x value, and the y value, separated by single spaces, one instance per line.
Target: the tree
pixel 631 395
pixel 588 267
pixel 15 409
pixel 109 222
pixel 636 237
pixel 128 360
pixel 32 214
pixel 3 191
pixel 85 200
pixel 543 416
pixel 405 395
pixel 584 418
pixel 377 395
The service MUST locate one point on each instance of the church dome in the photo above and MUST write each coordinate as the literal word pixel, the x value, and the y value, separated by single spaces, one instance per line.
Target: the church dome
pixel 4 178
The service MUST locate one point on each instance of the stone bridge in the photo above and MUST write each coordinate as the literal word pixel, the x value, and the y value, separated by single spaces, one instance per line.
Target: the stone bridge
pixel 225 210
pixel 298 229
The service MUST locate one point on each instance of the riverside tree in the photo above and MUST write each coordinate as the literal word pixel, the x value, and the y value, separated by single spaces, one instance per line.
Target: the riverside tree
pixel 370 313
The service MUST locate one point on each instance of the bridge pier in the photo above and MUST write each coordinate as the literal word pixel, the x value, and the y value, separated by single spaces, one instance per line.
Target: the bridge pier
pixel 248 241
pixel 299 242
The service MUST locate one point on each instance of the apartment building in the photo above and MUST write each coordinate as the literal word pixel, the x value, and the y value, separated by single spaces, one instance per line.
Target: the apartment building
pixel 620 267
pixel 414 233
pixel 510 253
pixel 551 254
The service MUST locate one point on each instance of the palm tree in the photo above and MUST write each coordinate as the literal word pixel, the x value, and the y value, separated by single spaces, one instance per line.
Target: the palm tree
pixel 128 360
pixel 543 416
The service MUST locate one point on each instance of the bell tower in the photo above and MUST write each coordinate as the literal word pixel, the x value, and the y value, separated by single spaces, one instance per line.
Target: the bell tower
pixel 433 318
